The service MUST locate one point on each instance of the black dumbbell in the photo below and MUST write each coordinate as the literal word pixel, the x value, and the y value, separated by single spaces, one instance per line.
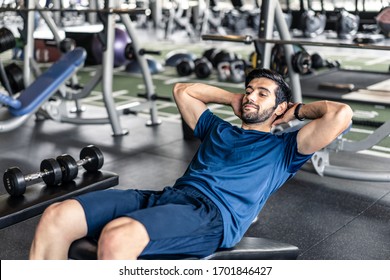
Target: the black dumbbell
pixel 16 183
pixel 91 158
pixel 202 67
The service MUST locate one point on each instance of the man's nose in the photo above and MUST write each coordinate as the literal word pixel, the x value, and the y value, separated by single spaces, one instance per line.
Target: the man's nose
pixel 252 96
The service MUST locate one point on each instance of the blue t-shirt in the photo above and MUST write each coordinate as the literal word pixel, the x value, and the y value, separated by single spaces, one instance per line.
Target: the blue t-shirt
pixel 239 169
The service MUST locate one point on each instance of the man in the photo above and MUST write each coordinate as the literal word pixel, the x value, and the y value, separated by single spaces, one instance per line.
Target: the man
pixel 225 186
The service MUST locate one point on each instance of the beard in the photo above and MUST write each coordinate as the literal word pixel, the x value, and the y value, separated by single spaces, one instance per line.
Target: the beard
pixel 256 116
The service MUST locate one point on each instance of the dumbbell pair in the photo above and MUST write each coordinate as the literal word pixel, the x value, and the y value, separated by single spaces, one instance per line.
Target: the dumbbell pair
pixel 91 159
pixel 54 171
pixel 201 67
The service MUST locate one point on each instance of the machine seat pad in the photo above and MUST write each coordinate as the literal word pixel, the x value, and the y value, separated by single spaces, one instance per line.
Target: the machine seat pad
pixel 38 196
pixel 46 84
pixel 249 248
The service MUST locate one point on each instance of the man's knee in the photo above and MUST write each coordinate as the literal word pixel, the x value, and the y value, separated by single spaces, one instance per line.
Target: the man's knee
pixel 123 238
pixel 60 216
pixel 51 216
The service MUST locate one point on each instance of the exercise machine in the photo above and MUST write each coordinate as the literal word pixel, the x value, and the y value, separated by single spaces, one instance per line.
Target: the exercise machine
pixel 18 110
pixel 322 165
pixel 58 109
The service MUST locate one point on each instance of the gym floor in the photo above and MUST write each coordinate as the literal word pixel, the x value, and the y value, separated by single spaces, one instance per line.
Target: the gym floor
pixel 327 218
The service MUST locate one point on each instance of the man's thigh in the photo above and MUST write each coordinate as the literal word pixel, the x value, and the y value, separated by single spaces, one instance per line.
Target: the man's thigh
pixel 101 207
pixel 186 225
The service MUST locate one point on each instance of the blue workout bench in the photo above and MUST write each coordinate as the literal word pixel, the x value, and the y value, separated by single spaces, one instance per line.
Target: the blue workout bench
pixel 45 86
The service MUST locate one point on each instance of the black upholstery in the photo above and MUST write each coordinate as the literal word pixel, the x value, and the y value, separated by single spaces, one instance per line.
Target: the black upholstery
pixel 249 248
pixel 37 197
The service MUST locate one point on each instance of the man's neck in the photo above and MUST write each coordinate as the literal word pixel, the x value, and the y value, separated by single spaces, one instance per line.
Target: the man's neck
pixel 263 127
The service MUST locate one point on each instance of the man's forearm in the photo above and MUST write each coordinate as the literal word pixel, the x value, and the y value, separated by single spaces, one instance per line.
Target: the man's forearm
pixel 205 93
pixel 318 109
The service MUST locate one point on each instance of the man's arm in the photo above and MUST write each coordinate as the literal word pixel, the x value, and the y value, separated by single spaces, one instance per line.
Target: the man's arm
pixel 329 120
pixel 192 100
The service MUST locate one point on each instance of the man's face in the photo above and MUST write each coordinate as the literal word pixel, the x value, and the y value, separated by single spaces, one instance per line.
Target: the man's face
pixel 258 104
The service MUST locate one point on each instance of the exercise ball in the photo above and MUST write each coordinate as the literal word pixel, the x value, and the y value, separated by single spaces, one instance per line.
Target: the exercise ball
pixel 121 39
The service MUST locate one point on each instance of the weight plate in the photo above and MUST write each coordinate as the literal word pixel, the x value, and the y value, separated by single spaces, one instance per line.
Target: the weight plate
pixel 14 182
pixel 52 170
pixel 68 166
pixel 95 157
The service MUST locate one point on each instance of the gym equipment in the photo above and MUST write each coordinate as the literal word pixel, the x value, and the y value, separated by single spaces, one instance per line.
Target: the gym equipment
pixel 249 248
pixel 248 39
pixel 104 11
pixel 178 16
pixel 91 159
pixel 347 24
pixel 7 39
pixel 362 38
pixel 154 66
pixel 130 52
pixel 301 60
pixel 11 76
pixel 312 23
pixel 44 87
pixel 16 183
pixel 345 87
pixel 210 54
pixel 203 68
pixel 223 56
pixel 92 43
pixel 200 66
pixel 134 67
pixel 318 62
pixel 236 20
pixel 323 167
pixel 12 79
pixel 121 40
pixel 38 196
pixel 233 71
pixel 46 50
pixel 57 109
pixel 185 67
pixel 172 58
pixel 208 17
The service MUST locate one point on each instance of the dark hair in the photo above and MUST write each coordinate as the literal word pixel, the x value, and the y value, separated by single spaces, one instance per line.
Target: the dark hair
pixel 283 92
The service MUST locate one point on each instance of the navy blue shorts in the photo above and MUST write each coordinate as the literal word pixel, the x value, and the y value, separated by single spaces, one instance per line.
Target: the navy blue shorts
pixel 178 221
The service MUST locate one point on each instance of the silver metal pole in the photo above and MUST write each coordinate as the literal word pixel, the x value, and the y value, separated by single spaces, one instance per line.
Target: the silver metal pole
pixel 147 76
pixel 29 47
pixel 108 65
pixel 284 34
pixel 265 31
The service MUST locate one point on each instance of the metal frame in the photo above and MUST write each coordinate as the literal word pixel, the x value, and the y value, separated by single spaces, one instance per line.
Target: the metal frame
pixel 58 110
pixel 322 165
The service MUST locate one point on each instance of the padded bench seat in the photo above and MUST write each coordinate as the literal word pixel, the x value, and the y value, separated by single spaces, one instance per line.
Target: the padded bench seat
pixel 249 248
pixel 39 196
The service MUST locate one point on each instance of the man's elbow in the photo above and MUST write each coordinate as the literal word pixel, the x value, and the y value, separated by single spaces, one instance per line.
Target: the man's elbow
pixel 346 114
pixel 178 87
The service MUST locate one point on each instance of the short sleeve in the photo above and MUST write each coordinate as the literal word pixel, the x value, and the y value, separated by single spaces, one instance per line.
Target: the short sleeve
pixel 206 121
pixel 294 159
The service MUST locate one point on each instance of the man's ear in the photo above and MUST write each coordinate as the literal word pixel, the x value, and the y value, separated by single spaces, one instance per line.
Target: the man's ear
pixel 281 109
